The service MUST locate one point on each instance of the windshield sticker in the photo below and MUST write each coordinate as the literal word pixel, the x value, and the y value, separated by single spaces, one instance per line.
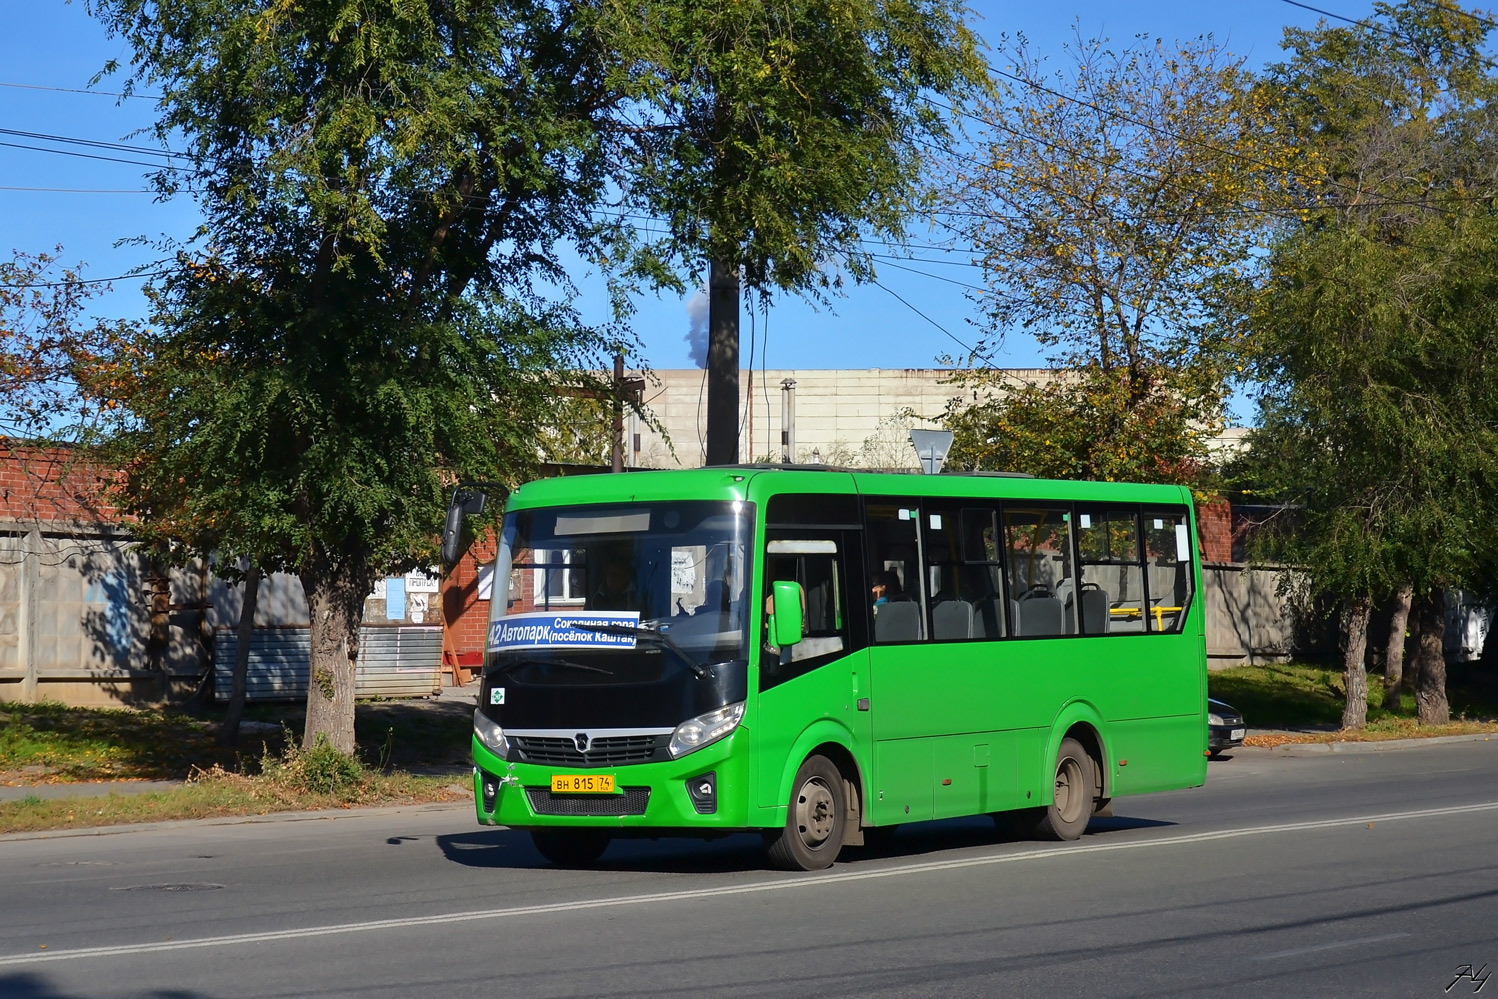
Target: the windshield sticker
pixel 496 695
pixel 567 630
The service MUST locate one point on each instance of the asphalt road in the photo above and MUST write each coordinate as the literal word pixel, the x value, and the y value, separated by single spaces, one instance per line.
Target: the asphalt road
pixel 1338 874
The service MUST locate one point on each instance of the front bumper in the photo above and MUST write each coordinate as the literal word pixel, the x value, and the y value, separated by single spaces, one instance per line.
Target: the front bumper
pixel 1225 736
pixel 656 794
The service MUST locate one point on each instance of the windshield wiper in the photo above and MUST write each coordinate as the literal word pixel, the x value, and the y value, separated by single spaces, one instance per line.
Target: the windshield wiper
pixel 532 661
pixel 642 629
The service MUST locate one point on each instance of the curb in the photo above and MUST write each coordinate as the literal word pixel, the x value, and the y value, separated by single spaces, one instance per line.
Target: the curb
pixel 1372 746
pixel 322 815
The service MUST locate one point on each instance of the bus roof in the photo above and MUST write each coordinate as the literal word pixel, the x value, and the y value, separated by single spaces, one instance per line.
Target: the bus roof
pixel 730 482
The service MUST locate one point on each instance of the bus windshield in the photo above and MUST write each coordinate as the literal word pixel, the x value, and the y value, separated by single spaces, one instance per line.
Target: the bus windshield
pixel 621 593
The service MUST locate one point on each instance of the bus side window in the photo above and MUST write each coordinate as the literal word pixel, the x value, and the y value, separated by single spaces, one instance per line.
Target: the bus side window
pixel 963 570
pixel 1167 562
pixel 1112 593
pixel 1038 550
pixel 896 596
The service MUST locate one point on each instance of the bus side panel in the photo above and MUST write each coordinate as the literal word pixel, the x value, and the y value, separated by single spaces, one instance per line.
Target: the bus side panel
pixel 905 770
pixel 975 773
pixel 787 711
pixel 1147 689
pixel 1159 754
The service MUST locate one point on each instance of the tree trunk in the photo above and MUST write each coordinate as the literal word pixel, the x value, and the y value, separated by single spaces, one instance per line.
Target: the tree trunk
pixel 228 730
pixel 335 604
pixel 1394 650
pixel 723 363
pixel 1431 707
pixel 1355 646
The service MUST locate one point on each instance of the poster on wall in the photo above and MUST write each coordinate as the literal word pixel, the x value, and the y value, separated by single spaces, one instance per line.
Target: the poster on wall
pixel 395 598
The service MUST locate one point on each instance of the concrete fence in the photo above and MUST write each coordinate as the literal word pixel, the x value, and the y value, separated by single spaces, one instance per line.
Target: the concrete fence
pixel 1249 620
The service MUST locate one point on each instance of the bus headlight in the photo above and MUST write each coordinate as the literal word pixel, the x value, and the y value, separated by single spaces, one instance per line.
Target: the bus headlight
pixel 491 735
pixel 705 729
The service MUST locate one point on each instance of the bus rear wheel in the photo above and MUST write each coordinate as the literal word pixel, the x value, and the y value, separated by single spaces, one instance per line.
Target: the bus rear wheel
pixel 571 847
pixel 813 832
pixel 1067 815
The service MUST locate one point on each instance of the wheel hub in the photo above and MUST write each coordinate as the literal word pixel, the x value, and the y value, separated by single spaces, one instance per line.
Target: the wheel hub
pixel 1068 790
pixel 814 812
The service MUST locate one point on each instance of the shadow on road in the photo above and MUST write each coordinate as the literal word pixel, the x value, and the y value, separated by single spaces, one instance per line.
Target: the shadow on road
pixel 510 848
pixel 25 985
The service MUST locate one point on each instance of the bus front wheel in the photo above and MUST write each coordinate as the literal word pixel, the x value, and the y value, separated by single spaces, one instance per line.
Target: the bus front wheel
pixel 813 830
pixel 571 847
pixel 1071 804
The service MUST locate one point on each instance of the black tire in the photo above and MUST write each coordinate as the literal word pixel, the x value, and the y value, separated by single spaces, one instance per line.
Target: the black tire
pixel 1071 804
pixel 813 831
pixel 571 847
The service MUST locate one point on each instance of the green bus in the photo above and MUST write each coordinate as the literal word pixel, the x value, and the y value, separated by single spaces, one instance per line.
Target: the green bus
pixel 816 654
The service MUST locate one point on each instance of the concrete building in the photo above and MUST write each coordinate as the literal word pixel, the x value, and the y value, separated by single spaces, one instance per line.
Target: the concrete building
pixel 848 416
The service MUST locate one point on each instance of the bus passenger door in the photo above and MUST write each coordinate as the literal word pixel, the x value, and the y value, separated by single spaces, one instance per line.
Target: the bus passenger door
pixel 824 676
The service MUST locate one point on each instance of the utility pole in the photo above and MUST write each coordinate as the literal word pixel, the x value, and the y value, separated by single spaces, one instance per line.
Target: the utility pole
pixel 788 421
pixel 618 443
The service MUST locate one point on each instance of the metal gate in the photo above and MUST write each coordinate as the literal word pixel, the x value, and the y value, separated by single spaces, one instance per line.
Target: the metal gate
pixel 393 662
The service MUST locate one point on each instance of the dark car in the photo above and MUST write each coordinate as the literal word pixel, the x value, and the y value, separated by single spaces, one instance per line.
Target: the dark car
pixel 1225 729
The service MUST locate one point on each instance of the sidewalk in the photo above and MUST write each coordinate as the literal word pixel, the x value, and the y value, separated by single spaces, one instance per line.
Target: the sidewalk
pixel 1352 746
pixel 91 789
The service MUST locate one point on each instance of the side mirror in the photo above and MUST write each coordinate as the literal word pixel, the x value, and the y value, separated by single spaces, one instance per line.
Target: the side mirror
pixel 785 622
pixel 463 503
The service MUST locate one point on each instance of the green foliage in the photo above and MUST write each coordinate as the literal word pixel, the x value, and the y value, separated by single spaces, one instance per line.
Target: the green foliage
pixel 1373 318
pixel 1088 424
pixel 774 136
pixel 318 769
pixel 378 302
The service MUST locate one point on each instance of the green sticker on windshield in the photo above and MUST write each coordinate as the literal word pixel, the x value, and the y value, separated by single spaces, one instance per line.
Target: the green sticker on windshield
pixel 496 695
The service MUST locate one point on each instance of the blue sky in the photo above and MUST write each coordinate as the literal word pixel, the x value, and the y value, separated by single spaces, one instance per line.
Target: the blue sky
pixel 49 43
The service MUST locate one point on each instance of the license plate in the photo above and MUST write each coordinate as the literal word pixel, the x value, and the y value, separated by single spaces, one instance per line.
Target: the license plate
pixel 582 783
pixel 1238 733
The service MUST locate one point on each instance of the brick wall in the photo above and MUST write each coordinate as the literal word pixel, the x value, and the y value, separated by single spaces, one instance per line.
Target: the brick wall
pixel 466 616
pixel 52 484
pixel 1214 522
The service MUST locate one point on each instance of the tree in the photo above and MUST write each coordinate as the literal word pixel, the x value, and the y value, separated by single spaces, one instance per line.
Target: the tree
pixel 47 348
pixel 771 139
pixel 1084 424
pixel 376 304
pixel 1108 204
pixel 1372 320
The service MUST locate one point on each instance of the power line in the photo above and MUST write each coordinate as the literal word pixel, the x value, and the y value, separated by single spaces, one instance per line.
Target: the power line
pixel 1485 22
pixel 93 156
pixel 74 90
pixel 93 143
pixel 972 351
pixel 926 260
pixel 1341 17
pixel 79 190
pixel 937 277
pixel 142 276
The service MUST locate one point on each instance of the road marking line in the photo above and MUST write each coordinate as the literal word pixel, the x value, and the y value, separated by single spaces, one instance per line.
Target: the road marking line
pixel 802 881
pixel 1329 946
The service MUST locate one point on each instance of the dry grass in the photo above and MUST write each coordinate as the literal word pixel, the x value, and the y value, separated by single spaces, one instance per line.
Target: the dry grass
pixel 1306 701
pixel 216 793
